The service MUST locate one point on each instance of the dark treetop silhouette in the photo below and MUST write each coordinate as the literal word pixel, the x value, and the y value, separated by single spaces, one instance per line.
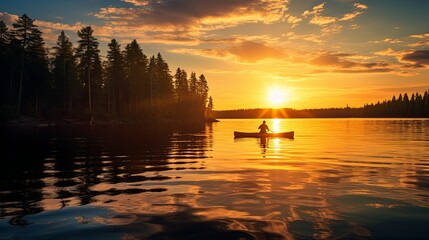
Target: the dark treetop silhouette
pixel 75 82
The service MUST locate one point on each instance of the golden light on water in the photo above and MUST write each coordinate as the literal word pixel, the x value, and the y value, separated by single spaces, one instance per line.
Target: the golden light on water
pixel 276 125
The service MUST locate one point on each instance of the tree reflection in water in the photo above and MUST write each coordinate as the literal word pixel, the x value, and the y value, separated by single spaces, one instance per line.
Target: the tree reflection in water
pixel 51 168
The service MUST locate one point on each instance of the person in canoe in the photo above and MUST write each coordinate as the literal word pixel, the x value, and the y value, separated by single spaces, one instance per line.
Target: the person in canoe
pixel 263 128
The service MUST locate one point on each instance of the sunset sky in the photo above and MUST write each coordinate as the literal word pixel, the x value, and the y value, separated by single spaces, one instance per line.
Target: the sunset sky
pixel 317 53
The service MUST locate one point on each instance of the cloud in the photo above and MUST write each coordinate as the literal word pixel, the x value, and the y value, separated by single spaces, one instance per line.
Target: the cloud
pixel 408 58
pixel 419 44
pixel 387 40
pixel 360 6
pixel 340 63
pixel 424 35
pixel 422 43
pixel 314 38
pixel 137 2
pixel 294 21
pixel 387 52
pixel 407 74
pixel 315 11
pixel 332 29
pixel 50 30
pixel 350 16
pixel 247 51
pixel 322 20
pixel 418 59
pixel 318 19
pixel 187 15
pixel 374 70
pixel 8 18
pixel 253 52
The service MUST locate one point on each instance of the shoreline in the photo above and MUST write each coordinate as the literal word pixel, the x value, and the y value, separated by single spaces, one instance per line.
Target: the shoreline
pixel 42 123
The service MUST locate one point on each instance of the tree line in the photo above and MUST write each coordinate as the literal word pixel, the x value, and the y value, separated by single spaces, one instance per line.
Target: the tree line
pixel 402 106
pixel 68 81
pixel 416 106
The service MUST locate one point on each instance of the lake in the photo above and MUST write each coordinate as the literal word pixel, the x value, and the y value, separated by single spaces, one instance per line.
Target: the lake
pixel 337 179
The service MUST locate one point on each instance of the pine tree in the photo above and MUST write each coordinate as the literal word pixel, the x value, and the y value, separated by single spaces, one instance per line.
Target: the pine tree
pixel 89 60
pixel 210 107
pixel 165 96
pixel 5 66
pixel 115 78
pixel 136 72
pixel 66 84
pixel 203 90
pixel 193 85
pixel 181 85
pixel 426 104
pixel 33 63
pixel 21 32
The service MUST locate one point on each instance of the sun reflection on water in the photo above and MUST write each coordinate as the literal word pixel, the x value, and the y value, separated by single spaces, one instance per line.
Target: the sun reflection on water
pixel 276 125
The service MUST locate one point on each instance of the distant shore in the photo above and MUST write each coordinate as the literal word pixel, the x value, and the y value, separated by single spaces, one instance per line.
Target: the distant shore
pixel 362 112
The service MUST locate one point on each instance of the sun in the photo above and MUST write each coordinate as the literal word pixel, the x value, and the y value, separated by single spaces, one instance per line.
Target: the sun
pixel 277 96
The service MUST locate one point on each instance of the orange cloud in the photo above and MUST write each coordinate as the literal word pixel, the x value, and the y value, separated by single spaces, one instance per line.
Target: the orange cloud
pixel 387 40
pixel 8 18
pixel 332 29
pixel 137 2
pixel 319 19
pixel 50 30
pixel 293 21
pixel 424 35
pixel 350 16
pixel 247 51
pixel 315 11
pixel 360 6
pixel 341 64
pixel 322 20
pixel 253 52
pixel 419 44
pixel 314 38
pixel 418 59
pixel 387 52
pixel 189 15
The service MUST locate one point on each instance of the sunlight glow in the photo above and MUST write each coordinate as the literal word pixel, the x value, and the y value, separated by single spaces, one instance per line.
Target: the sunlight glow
pixel 277 95
pixel 276 125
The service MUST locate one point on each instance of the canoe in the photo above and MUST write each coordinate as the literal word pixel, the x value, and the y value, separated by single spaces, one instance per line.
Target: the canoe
pixel 259 135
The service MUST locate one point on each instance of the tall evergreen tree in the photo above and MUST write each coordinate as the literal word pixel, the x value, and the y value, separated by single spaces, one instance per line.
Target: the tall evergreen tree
pixel 136 71
pixel 66 84
pixel 5 66
pixel 193 83
pixel 34 74
pixel 182 94
pixel 153 86
pixel 210 107
pixel 181 85
pixel 203 88
pixel 115 78
pixel 89 60
pixel 165 91
pixel 21 32
pixel 38 70
pixel 426 104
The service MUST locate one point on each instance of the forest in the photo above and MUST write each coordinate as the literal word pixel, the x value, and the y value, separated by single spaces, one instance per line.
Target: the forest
pixel 403 106
pixel 68 81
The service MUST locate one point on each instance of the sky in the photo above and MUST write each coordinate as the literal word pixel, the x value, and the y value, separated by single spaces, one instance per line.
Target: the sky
pixel 262 53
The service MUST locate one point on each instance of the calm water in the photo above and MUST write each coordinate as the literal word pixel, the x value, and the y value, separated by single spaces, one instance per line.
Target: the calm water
pixel 338 179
